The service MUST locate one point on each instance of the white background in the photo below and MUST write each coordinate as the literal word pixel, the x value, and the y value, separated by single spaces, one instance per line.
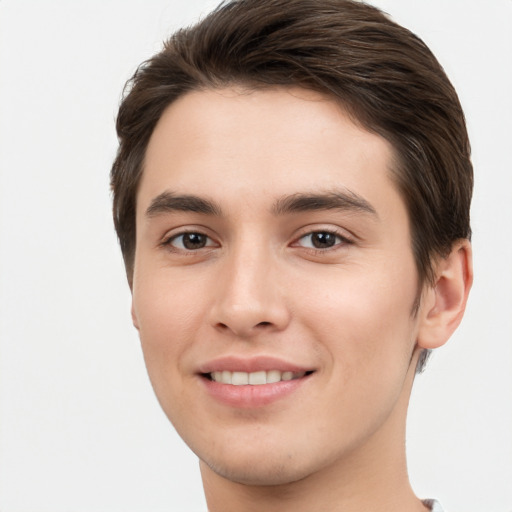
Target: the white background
pixel 80 429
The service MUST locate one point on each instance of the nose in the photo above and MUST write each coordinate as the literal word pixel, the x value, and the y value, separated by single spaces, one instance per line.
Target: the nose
pixel 249 298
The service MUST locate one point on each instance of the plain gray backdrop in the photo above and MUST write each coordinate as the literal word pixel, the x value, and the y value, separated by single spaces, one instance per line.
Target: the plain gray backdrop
pixel 80 429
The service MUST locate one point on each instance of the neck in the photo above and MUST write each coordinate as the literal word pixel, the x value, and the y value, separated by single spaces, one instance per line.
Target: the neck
pixel 371 477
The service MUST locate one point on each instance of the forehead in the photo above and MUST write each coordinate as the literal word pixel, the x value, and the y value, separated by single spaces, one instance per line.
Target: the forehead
pixel 237 143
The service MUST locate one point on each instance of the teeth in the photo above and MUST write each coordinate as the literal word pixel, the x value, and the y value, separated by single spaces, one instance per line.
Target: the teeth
pixel 254 378
pixel 273 376
pixel 239 378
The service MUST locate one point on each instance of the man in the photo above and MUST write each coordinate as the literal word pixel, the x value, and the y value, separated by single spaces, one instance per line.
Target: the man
pixel 291 195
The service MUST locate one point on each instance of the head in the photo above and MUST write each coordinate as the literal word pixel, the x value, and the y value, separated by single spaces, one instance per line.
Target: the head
pixel 382 75
pixel 343 56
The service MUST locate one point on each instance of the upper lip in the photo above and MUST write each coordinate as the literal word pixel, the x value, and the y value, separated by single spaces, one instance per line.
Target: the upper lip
pixel 251 364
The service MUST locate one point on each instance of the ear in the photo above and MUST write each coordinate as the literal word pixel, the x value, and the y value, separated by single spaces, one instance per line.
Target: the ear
pixel 444 303
pixel 135 320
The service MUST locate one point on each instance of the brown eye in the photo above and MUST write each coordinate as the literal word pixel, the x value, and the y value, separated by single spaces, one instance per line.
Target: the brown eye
pixel 321 240
pixel 190 241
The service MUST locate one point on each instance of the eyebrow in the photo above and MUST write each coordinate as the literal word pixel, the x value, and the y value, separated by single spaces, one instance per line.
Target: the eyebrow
pixel 346 200
pixel 333 200
pixel 168 202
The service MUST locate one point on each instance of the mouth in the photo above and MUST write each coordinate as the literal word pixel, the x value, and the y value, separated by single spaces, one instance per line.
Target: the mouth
pixel 254 389
pixel 253 382
pixel 258 378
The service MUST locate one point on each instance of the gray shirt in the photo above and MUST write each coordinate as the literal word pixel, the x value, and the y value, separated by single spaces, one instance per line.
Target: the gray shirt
pixel 434 505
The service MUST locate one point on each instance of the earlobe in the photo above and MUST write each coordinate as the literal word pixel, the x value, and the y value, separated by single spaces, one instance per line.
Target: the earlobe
pixel 445 302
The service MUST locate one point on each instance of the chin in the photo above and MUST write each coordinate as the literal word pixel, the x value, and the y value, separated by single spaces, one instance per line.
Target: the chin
pixel 259 473
pixel 259 463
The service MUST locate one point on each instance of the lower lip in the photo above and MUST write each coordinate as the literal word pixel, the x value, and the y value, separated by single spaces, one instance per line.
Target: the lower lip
pixel 248 396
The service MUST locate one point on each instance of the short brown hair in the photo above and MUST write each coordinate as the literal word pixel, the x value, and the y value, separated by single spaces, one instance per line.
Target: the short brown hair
pixel 383 75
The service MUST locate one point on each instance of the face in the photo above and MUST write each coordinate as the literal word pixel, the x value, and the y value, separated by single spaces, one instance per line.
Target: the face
pixel 274 283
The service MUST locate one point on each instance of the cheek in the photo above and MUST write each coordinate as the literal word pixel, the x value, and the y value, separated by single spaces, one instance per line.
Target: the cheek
pixel 363 319
pixel 167 313
pixel 165 303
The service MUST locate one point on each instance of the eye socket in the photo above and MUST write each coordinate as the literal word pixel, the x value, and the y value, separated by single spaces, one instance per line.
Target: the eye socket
pixel 190 241
pixel 321 240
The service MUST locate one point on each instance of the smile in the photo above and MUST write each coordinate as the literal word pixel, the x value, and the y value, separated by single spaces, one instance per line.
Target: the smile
pixel 253 382
pixel 258 378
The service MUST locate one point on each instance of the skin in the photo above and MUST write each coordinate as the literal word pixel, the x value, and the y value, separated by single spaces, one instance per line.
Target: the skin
pixel 254 284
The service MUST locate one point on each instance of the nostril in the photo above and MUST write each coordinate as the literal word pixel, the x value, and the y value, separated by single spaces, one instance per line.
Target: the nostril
pixel 263 324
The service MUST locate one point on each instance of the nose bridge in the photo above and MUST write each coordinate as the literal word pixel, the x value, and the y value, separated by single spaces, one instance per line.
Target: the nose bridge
pixel 248 298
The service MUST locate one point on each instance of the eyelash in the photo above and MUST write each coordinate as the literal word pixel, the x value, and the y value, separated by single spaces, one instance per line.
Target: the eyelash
pixel 168 242
pixel 339 240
